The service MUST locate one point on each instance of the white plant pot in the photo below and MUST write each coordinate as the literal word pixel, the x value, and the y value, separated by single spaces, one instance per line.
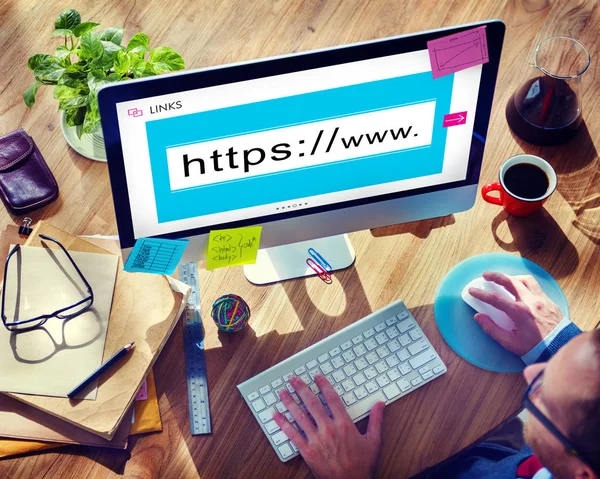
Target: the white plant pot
pixel 89 145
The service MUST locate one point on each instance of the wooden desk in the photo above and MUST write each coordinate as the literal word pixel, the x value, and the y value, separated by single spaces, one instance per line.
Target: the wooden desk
pixel 406 261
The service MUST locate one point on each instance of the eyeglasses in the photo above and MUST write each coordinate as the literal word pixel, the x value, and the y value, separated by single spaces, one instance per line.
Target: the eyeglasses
pixel 533 409
pixel 67 312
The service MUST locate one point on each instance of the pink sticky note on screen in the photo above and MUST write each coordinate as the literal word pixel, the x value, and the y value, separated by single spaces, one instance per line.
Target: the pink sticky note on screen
pixel 457 52
pixel 142 394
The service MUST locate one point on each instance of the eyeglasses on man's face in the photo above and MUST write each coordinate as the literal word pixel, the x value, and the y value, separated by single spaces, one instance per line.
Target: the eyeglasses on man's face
pixel 12 323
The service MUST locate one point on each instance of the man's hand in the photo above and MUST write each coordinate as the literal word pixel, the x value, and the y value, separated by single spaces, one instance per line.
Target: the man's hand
pixel 331 446
pixel 533 313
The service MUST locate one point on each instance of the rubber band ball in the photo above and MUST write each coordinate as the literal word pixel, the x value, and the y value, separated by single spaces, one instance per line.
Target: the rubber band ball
pixel 230 313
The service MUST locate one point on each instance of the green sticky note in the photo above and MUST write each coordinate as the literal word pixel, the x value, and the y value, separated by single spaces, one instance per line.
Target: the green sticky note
pixel 233 247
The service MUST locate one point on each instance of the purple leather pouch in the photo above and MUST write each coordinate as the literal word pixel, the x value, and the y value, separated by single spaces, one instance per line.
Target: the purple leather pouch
pixel 26 182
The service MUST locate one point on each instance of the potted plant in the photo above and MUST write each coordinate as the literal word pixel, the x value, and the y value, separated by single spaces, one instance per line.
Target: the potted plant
pixel 87 59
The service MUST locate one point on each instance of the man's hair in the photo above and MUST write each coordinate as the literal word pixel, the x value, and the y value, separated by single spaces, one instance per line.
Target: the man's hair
pixel 585 431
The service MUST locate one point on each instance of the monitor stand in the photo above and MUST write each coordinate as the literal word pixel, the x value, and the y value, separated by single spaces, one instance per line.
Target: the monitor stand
pixel 289 261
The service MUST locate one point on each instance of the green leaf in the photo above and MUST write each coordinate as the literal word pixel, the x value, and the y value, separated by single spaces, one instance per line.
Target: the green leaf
pixel 79 130
pixel 62 32
pixel 142 68
pixel 95 80
pixel 29 94
pixel 122 64
pixel 109 56
pixel 84 28
pixel 67 19
pixel 38 59
pixel 62 52
pixel 112 77
pixel 138 40
pixel 165 59
pixel 91 47
pixel 74 102
pixel 92 123
pixel 112 34
pixel 75 116
pixel 50 69
pixel 65 92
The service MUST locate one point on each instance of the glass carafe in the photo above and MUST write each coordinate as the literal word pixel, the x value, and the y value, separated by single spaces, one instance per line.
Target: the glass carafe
pixel 546 108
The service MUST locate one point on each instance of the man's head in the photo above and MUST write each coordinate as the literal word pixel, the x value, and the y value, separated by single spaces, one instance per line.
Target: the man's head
pixel 570 398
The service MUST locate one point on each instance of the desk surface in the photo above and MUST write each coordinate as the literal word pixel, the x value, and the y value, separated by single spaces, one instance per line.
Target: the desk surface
pixel 406 261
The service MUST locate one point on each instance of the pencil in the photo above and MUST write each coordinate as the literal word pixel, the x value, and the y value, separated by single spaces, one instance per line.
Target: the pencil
pixel 114 358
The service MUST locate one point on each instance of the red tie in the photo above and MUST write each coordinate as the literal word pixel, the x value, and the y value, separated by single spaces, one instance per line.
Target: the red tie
pixel 529 467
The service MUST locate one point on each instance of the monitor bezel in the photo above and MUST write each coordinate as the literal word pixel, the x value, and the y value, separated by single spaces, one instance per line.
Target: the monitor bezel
pixel 111 95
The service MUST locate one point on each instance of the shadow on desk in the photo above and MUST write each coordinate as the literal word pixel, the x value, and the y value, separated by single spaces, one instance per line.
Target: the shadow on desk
pixel 420 229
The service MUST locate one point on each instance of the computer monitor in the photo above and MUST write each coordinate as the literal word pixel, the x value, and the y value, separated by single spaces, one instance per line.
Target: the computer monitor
pixel 309 145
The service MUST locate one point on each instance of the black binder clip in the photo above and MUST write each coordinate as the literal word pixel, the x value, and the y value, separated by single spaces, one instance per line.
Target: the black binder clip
pixel 25 230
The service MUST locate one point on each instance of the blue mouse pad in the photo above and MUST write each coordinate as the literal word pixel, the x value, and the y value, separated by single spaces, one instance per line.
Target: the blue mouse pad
pixel 455 320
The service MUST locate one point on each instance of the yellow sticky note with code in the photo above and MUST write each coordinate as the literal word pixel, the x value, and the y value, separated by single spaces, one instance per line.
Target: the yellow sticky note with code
pixel 233 247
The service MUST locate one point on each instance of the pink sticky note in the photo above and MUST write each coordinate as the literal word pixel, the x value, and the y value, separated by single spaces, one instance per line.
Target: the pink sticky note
pixel 453 119
pixel 458 52
pixel 142 394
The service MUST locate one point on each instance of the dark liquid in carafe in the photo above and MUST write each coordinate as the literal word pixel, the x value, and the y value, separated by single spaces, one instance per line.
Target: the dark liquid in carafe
pixel 526 181
pixel 544 111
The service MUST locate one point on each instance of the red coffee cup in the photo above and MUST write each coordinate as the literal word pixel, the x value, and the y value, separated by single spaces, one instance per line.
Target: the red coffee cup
pixel 523 191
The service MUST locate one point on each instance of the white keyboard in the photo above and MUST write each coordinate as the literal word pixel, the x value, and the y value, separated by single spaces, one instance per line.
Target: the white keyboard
pixel 381 357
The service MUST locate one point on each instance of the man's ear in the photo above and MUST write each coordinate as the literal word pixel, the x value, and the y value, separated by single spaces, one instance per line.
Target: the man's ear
pixel 584 471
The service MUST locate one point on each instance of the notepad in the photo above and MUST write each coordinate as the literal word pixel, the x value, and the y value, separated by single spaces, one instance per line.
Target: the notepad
pixel 155 255
pixel 233 247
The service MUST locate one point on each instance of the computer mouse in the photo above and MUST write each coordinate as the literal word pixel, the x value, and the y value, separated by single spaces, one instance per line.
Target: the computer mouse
pixel 499 317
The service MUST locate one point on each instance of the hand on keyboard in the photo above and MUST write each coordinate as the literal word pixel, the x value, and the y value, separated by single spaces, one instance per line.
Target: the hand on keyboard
pixel 330 443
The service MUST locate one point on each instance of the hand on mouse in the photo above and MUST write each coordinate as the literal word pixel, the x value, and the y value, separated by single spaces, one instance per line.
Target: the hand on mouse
pixel 332 446
pixel 533 313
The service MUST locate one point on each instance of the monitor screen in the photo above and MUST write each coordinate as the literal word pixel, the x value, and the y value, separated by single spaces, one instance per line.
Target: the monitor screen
pixel 293 139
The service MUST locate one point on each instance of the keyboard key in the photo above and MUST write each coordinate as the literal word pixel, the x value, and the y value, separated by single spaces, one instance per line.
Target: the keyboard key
pixel 381 338
pixel 337 362
pixel 358 339
pixel 380 327
pixel 404 340
pixel 382 381
pixel 417 347
pixel 306 378
pixel 370 344
pixel 402 315
pixel 289 417
pixel 371 387
pixel 416 381
pixel 361 407
pixel 405 369
pixel 422 358
pixel 314 388
pixel 270 399
pixel 346 345
pixel 394 345
pixel 290 388
pixel 404 385
pixel 339 376
pixel 264 389
pixel 348 385
pixel 277 383
pixel 427 375
pixel 279 438
pixel 281 407
pixel 393 374
pixel 403 355
pixel 295 398
pixel 279 390
pixel 405 325
pixel 349 399
pixel 258 405
pixel 360 350
pixel 322 358
pixel 272 427
pixel 372 358
pixel 383 352
pixel 326 368
pixel 391 391
pixel 350 370
pixel 416 334
pixel 392 333
pixel 381 367
pixel 348 356
pixel 329 378
pixel 287 376
pixel 359 379
pixel 360 364
pixel 370 372
pixel 393 320
pixel 438 369
pixel 368 333
pixel 294 448
pixel 253 396
pixel 335 352
pixel 339 389
pixel 313 373
pixel 424 369
pixel 361 393
pixel 300 370
pixel 392 361
pixel 285 451
pixel 266 415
